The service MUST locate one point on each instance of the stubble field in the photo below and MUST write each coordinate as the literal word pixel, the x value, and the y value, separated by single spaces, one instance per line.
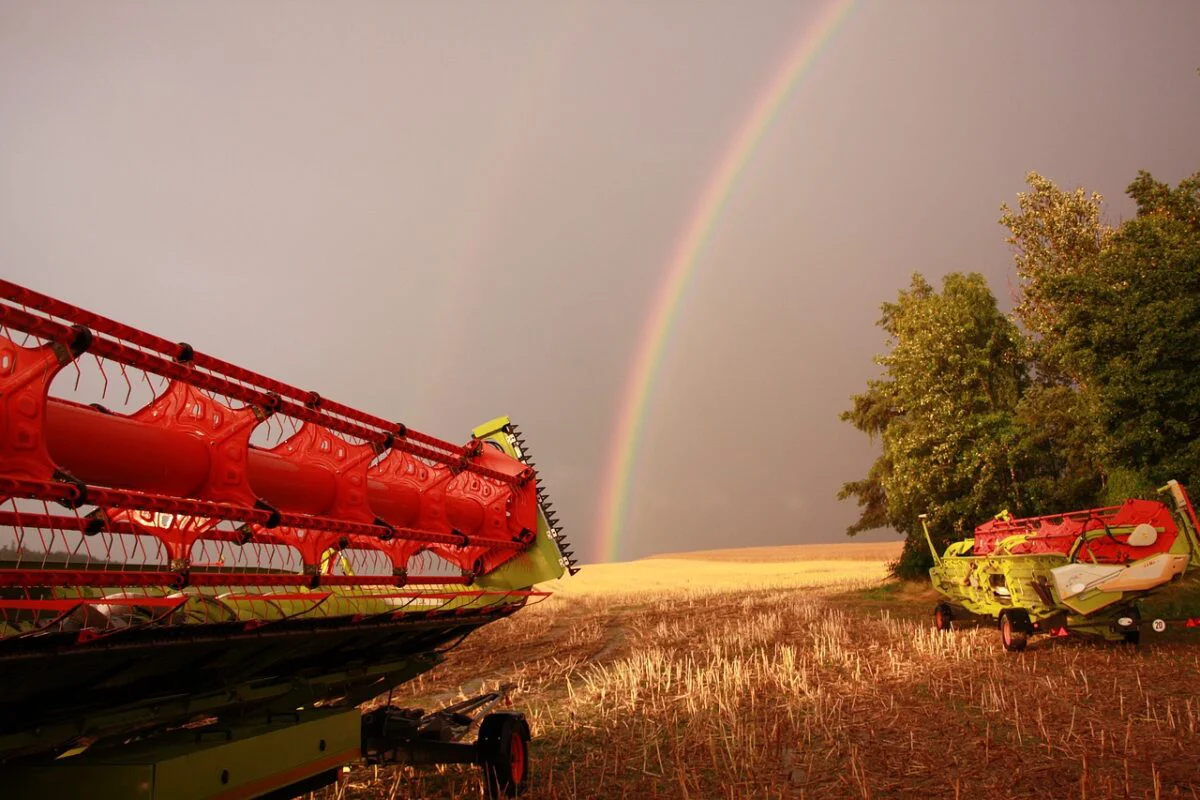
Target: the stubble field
pixel 732 678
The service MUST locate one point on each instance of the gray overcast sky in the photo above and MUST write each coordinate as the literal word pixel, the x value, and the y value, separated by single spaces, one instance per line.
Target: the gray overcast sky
pixel 442 212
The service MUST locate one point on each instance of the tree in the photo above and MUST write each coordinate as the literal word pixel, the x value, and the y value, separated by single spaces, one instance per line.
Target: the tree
pixel 1054 234
pixel 1131 327
pixel 1117 316
pixel 1055 443
pixel 1156 199
pixel 945 414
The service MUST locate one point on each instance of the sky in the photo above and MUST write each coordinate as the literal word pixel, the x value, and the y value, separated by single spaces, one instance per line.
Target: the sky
pixel 444 212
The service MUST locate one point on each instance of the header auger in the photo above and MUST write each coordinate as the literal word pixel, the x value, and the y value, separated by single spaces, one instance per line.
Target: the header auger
pixel 1083 571
pixel 223 541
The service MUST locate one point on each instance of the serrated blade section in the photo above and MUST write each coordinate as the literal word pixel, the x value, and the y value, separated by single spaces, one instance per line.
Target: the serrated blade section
pixel 546 508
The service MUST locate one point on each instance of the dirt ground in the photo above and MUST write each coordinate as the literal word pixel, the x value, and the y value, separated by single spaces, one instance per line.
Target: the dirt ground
pixel 675 678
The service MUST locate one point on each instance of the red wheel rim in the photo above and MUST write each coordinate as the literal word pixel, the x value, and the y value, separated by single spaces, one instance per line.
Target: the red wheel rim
pixel 1006 631
pixel 516 750
pixel 937 619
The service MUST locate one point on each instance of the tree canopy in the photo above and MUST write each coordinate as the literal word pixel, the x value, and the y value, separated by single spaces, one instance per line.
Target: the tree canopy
pixel 943 411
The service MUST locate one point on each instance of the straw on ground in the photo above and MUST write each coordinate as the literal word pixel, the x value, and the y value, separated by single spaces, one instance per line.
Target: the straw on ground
pixel 682 678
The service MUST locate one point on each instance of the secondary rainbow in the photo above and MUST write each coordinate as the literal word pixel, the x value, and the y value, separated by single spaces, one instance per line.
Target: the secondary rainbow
pixel 640 385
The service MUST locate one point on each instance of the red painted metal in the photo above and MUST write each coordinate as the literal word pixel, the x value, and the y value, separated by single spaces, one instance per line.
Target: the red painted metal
pixel 90 577
pixel 1062 533
pixel 118 451
pixel 397 436
pixel 160 495
pixel 346 464
pixel 224 431
pixel 297 477
pixel 25 374
pixel 96 323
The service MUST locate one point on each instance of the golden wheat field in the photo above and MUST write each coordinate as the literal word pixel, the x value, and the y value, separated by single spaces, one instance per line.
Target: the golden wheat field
pixel 704 678
pixel 841 551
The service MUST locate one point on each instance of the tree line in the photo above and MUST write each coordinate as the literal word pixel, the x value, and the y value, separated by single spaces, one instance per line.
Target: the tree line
pixel 1087 393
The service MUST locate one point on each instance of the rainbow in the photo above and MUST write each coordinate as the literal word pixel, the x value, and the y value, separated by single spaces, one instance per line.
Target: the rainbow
pixel 640 385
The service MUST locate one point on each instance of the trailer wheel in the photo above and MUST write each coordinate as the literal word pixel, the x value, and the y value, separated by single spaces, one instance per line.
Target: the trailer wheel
pixel 942 616
pixel 1133 638
pixel 503 754
pixel 1013 634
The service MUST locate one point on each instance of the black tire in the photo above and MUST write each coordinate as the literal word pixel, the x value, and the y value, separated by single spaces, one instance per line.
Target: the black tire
pixel 503 754
pixel 1133 638
pixel 1013 634
pixel 943 617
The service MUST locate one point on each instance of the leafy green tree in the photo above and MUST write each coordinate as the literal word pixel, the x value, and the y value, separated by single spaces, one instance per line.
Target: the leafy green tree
pixel 945 413
pixel 1158 200
pixel 1055 443
pixel 1054 234
pixel 1057 235
pixel 1129 326
pixel 1116 317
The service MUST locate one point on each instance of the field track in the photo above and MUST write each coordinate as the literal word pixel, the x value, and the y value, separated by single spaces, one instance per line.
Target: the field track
pixel 697 678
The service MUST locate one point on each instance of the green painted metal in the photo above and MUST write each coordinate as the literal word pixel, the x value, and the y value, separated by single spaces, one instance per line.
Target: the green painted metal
pixel 937 560
pixel 246 759
pixel 541 562
pixel 990 585
pixel 971 582
pixel 348 686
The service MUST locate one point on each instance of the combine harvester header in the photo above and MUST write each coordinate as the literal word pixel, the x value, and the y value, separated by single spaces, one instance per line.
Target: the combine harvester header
pixel 226 550
pixel 1082 571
